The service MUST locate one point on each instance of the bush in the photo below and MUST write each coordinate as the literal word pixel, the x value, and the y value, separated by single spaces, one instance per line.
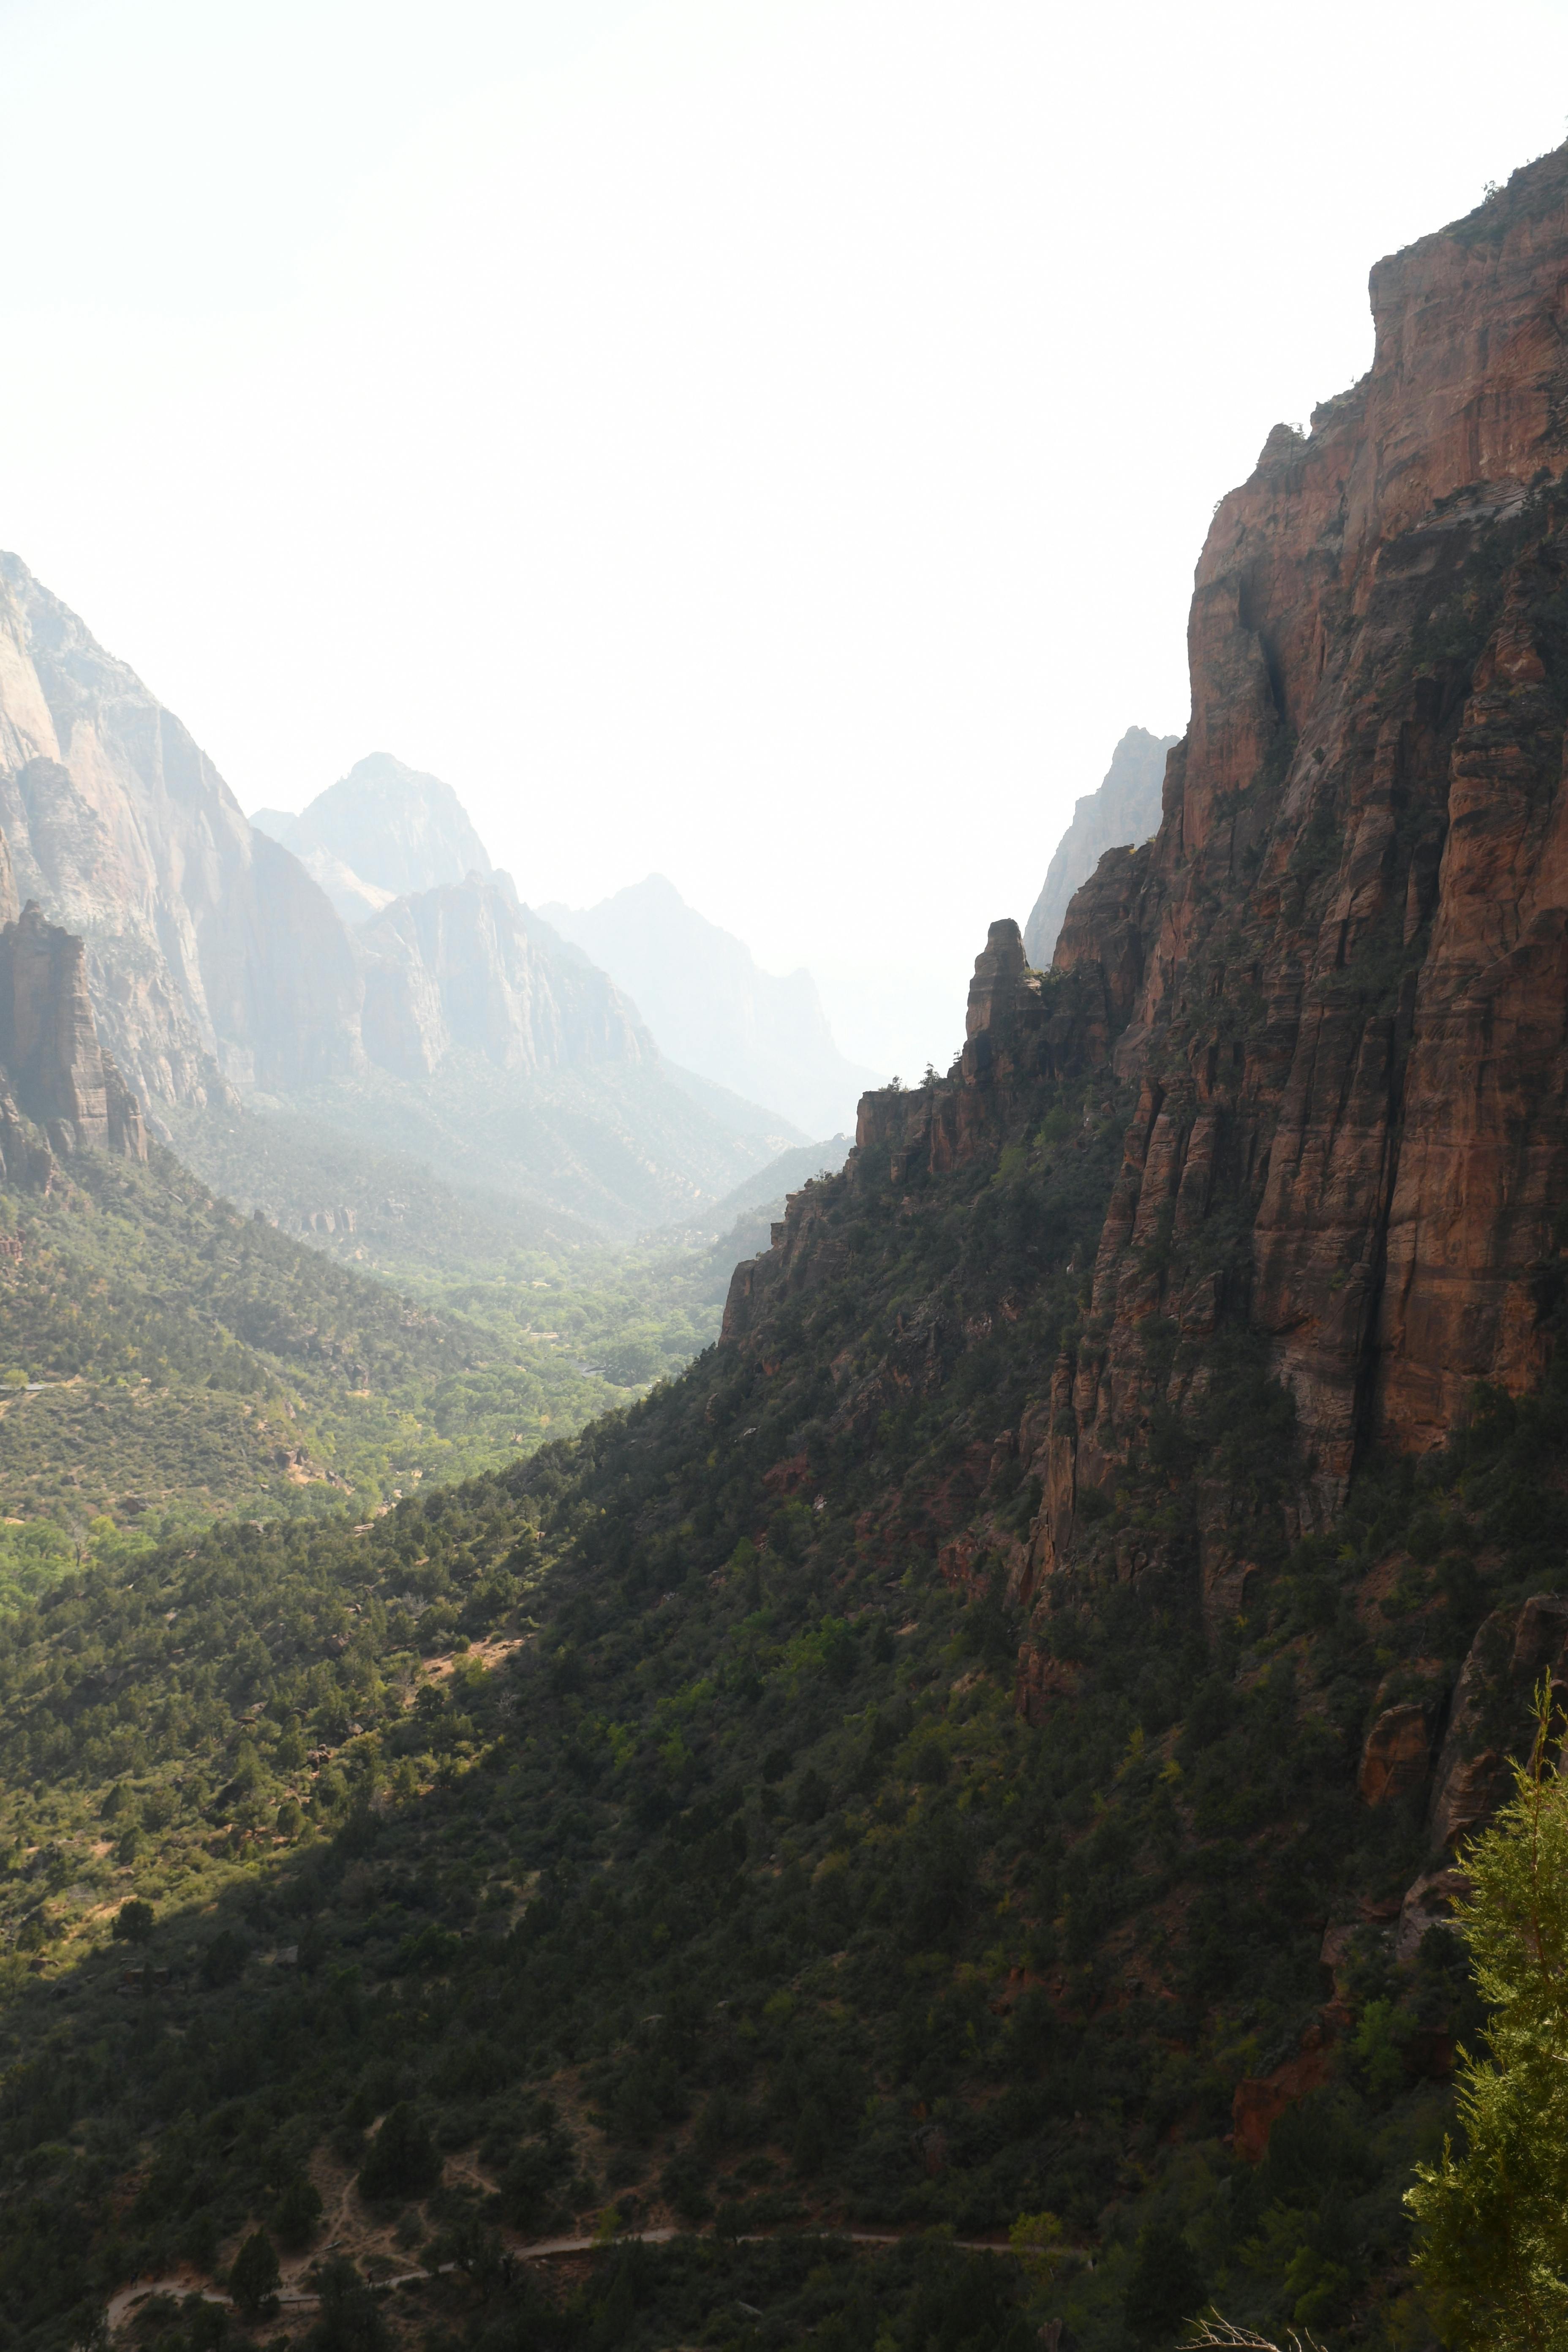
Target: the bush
pixel 134 1922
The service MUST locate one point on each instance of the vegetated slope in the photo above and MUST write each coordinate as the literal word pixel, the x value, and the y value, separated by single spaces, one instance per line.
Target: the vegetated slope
pixel 185 1358
pixel 588 1317
pixel 713 1010
pixel 1123 809
pixel 720 1875
pixel 992 1736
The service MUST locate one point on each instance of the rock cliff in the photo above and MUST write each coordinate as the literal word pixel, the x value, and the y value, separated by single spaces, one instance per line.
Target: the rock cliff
pixel 380 833
pixel 467 966
pixel 1333 991
pixel 212 958
pixel 59 1092
pixel 1124 812
pixel 1338 976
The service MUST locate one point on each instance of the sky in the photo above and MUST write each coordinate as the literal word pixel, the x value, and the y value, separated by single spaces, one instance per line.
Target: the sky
pixel 767 442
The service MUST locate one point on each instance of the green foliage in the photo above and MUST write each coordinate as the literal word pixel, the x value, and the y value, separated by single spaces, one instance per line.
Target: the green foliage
pixel 254 2275
pixel 653 1821
pixel 403 2161
pixel 1166 2286
pixel 1492 2252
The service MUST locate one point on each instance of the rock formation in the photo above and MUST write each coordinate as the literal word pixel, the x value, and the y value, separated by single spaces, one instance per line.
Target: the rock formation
pixel 1338 977
pixel 1334 986
pixel 1123 811
pixel 212 958
pixel 58 1075
pixel 467 967
pixel 378 833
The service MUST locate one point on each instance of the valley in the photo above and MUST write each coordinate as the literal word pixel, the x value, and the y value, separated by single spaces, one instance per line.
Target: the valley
pixel 621 1728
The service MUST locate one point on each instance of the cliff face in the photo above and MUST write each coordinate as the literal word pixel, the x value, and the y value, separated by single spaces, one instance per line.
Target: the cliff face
pixel 467 967
pixel 1333 991
pixel 211 955
pixel 1123 812
pixel 711 1007
pixel 1338 977
pixel 59 1092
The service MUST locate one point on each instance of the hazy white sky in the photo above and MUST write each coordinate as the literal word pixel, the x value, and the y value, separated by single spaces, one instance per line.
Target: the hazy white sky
pixel 765 440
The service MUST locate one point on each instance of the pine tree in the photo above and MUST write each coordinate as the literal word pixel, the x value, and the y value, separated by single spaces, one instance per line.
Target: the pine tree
pixel 254 2277
pixel 1492 2252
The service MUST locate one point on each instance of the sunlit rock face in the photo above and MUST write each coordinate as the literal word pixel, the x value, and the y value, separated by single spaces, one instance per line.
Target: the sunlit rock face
pixel 1333 987
pixel 1339 974
pixel 212 956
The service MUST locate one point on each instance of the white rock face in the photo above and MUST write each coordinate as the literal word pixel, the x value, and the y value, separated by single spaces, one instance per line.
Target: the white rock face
pixel 211 955
pixel 379 832
pixel 1124 812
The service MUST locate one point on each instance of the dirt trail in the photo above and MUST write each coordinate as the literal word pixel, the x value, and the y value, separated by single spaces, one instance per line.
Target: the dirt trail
pixel 538 2250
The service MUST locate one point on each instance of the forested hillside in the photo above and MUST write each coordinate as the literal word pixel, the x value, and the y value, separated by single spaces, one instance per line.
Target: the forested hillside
pixel 161 1355
pixel 655 1828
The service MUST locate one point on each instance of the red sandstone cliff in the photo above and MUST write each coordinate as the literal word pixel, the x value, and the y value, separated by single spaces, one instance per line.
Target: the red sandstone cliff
pixel 1336 980
pixel 1341 968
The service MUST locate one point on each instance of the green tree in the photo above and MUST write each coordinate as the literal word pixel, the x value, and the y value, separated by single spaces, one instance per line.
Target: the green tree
pixel 1492 2250
pixel 402 2161
pixel 254 2276
pixel 1166 2288
pixel 134 1922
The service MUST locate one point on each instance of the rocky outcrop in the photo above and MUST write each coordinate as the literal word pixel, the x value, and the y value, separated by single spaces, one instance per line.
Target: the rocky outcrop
pixel 1396 1755
pixel 1018 1030
pixel 1493 1721
pixel 1125 810
pixel 1339 975
pixel 59 1092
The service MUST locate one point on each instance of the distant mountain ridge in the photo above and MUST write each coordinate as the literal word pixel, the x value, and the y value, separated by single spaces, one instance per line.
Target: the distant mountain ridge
pixel 712 1008
pixel 451 1024
pixel 380 833
pixel 1123 812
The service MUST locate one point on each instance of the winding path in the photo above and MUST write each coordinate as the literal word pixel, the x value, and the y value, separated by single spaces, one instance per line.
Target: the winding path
pixel 541 2250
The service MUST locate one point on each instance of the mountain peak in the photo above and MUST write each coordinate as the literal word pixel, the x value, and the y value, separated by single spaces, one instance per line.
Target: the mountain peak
pixel 378 833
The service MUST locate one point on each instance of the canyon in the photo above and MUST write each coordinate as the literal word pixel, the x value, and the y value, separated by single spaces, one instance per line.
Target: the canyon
pixel 220 971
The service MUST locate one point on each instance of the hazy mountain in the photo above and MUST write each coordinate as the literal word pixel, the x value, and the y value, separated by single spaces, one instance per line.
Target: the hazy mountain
pixel 712 1009
pixel 378 832
pixel 211 955
pixel 457 1027
pixel 1124 810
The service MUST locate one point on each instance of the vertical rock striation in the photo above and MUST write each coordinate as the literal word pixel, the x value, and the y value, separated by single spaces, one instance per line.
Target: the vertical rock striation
pixel 1333 987
pixel 1338 976
pixel 54 1073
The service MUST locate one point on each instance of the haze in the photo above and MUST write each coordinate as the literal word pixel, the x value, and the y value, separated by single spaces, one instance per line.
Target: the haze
pixel 765 442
